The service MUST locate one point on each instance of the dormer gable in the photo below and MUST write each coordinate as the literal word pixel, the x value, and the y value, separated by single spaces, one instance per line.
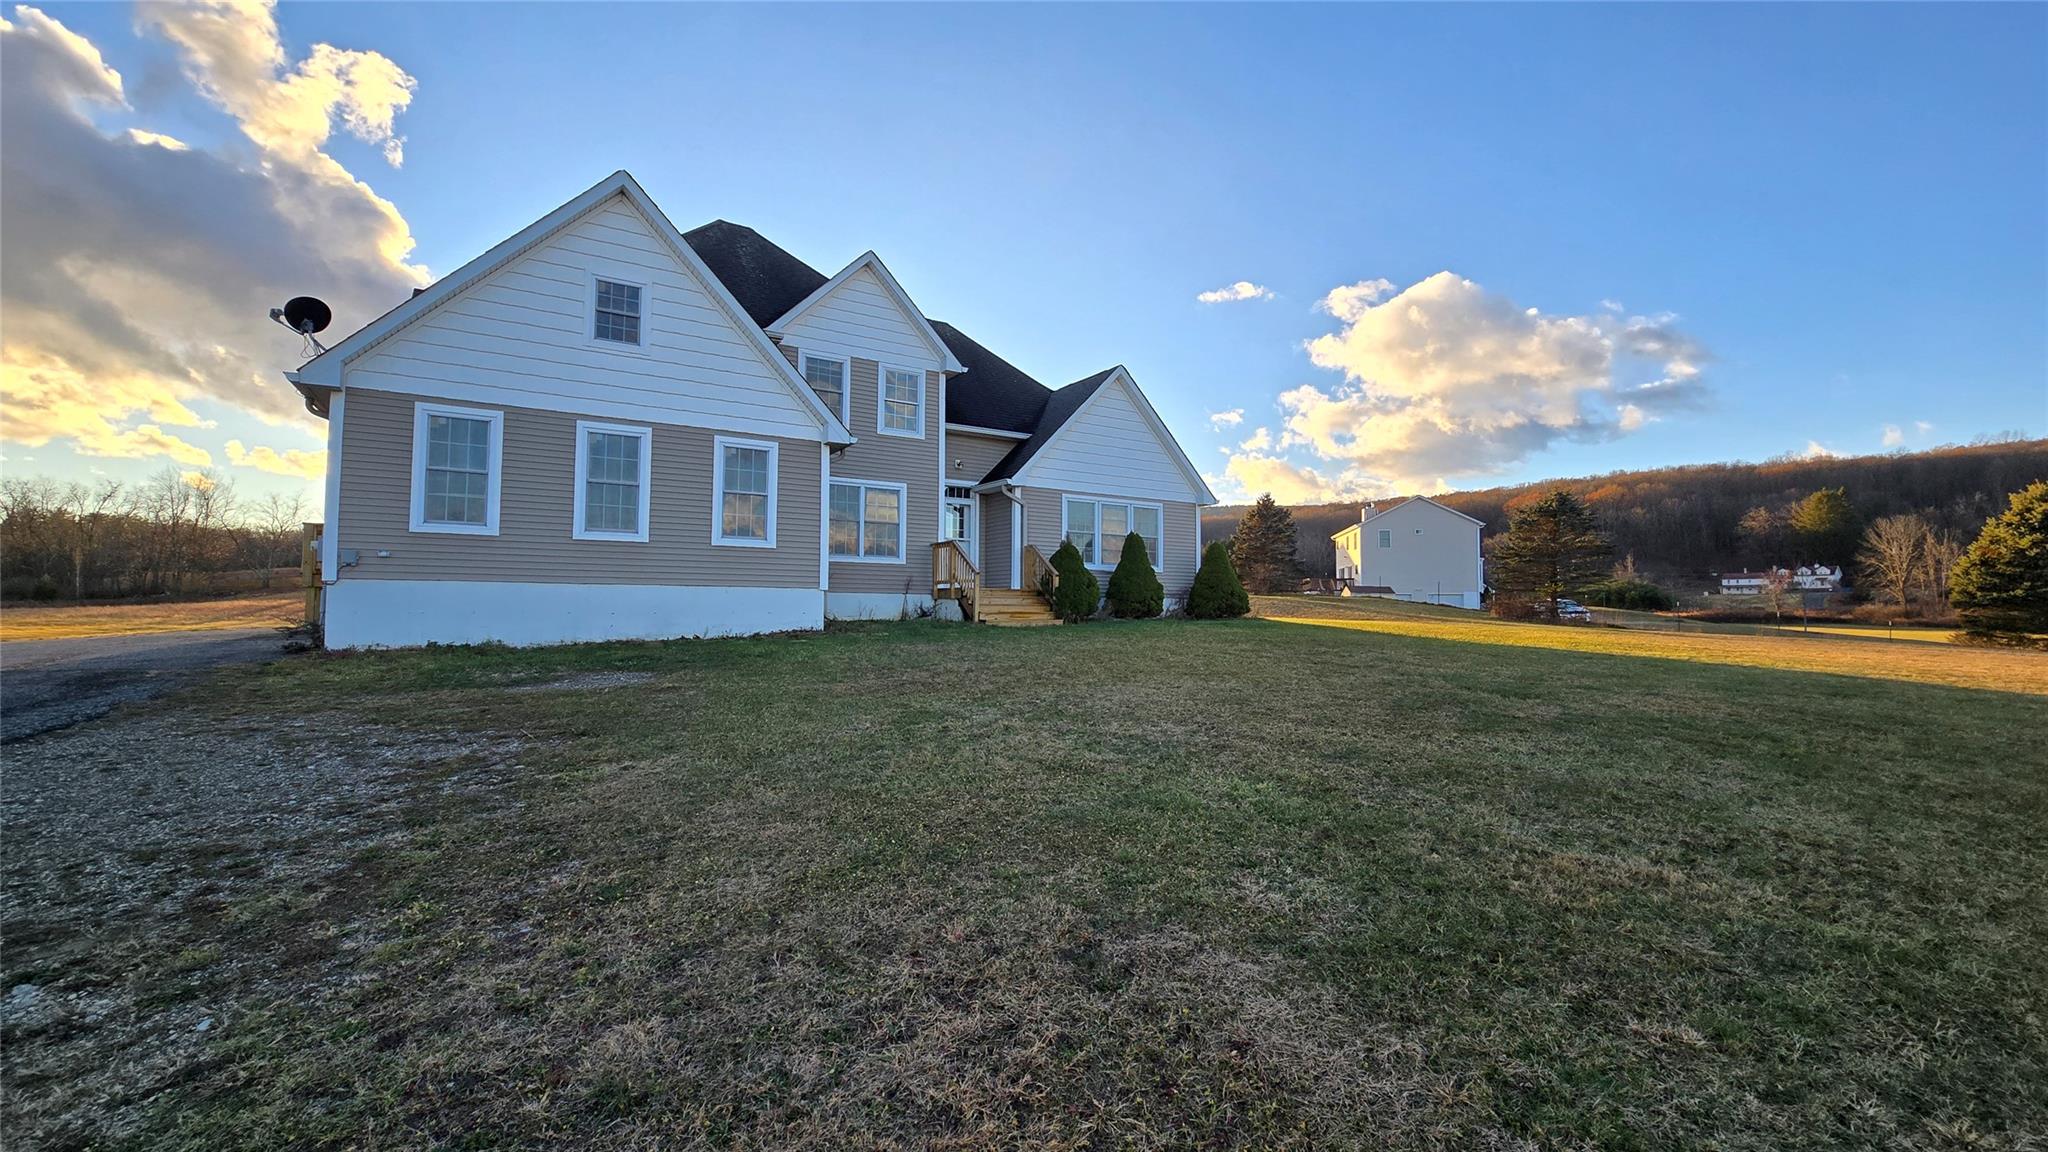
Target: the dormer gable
pixel 863 311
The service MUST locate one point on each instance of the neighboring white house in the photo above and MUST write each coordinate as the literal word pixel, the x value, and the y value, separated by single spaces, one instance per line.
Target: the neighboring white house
pixel 1805 578
pixel 1412 549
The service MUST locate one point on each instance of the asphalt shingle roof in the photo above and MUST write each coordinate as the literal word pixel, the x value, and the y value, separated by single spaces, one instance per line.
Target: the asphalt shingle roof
pixel 1059 408
pixel 766 280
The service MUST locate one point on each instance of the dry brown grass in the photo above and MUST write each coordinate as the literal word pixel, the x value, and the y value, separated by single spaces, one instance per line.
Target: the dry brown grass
pixel 1827 651
pixel 279 609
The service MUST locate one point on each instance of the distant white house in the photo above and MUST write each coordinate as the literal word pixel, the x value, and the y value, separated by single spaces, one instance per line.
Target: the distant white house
pixel 1805 578
pixel 1412 549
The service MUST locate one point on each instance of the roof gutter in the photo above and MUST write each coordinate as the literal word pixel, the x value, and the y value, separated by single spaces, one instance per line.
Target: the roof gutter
pixel 315 395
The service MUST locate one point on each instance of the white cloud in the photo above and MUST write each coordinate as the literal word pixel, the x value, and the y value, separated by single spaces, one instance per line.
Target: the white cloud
pixel 1350 301
pixel 1815 450
pixel 1922 427
pixel 1242 290
pixel 1258 441
pixel 1228 419
pixel 287 462
pixel 1446 379
pixel 1612 305
pixel 140 270
pixel 1250 474
pixel 1893 436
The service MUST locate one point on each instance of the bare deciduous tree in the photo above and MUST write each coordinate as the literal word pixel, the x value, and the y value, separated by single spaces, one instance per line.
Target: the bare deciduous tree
pixel 1891 555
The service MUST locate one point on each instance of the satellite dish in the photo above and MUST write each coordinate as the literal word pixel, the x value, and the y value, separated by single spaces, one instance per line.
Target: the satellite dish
pixel 307 315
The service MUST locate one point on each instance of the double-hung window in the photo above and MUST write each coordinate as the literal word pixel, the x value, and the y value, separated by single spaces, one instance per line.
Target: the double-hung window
pixel 1098 529
pixel 902 408
pixel 827 376
pixel 1386 538
pixel 743 485
pixel 616 313
pixel 457 456
pixel 614 467
pixel 864 521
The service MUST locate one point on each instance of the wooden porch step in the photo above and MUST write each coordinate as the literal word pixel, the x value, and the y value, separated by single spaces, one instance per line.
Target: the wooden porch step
pixel 1014 608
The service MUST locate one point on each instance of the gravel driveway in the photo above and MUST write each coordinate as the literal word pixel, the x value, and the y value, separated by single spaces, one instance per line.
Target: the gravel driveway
pixel 50 684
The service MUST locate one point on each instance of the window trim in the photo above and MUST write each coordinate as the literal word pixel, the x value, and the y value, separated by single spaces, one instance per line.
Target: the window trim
pixel 646 434
pixel 882 400
pixel 1096 565
pixel 590 336
pixel 845 413
pixel 718 446
pixel 422 410
pixel 902 521
pixel 1385 539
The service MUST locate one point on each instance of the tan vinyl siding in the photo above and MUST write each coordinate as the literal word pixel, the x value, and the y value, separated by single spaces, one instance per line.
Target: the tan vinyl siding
pixel 896 460
pixel 1176 526
pixel 536 507
pixel 976 455
pixel 995 540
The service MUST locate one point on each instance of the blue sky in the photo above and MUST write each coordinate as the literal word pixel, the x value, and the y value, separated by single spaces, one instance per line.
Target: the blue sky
pixel 1836 215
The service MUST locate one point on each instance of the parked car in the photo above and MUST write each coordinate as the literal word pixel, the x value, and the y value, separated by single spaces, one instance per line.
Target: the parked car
pixel 1573 611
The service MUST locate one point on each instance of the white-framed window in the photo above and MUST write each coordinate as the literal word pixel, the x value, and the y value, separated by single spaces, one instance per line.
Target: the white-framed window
pixel 828 376
pixel 1098 529
pixel 617 308
pixel 1386 538
pixel 865 521
pixel 457 459
pixel 743 492
pixel 614 481
pixel 901 408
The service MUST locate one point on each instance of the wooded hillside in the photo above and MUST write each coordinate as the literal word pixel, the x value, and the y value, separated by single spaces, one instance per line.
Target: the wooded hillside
pixel 1683 523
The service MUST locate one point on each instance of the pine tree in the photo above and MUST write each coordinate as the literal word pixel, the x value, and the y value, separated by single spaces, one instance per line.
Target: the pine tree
pixel 1134 589
pixel 1079 594
pixel 1217 593
pixel 1552 547
pixel 2000 586
pixel 1826 527
pixel 1263 549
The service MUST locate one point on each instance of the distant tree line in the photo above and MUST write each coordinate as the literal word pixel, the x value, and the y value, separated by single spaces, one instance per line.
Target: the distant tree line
pixel 176 532
pixel 1680 525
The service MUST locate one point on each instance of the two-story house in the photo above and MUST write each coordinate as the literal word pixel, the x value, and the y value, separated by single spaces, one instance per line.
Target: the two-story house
pixel 1412 548
pixel 607 428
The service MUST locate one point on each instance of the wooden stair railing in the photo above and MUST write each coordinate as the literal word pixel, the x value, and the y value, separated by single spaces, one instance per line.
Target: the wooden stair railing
pixel 954 577
pixel 1039 574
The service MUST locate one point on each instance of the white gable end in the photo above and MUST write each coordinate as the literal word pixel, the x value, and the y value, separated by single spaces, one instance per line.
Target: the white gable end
pixel 522 336
pixel 860 317
pixel 1111 448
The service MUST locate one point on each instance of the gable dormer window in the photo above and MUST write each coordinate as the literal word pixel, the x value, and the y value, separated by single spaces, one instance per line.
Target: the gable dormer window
pixel 902 407
pixel 617 314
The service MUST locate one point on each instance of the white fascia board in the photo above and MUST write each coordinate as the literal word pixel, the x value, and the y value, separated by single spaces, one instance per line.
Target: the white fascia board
pixel 326 368
pixel 868 259
pixel 978 430
pixel 1159 430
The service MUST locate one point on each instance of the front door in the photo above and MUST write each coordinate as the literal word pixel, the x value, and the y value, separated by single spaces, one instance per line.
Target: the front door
pixel 960 526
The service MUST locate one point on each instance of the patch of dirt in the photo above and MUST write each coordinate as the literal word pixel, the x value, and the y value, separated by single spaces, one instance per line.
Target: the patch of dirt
pixel 134 848
pixel 589 682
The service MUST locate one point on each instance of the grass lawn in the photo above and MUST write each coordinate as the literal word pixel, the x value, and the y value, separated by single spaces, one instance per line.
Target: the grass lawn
pixel 1416 880
pixel 279 609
